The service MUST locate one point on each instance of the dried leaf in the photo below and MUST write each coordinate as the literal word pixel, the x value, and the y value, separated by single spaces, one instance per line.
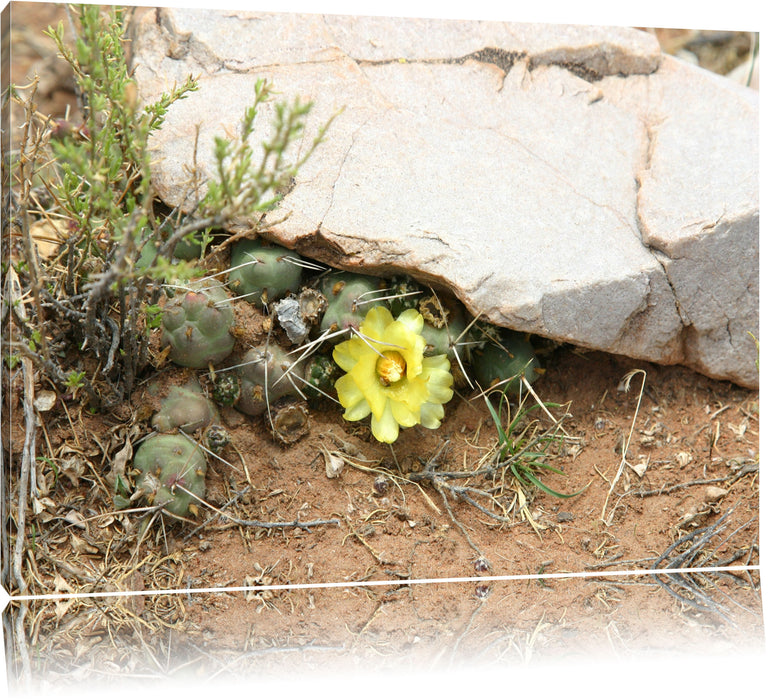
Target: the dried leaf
pixel 43 504
pixel 73 468
pixel 120 461
pixel 683 458
pixel 640 468
pixel 63 605
pixel 739 430
pixel 106 521
pixel 80 545
pixel 75 518
pixel 335 463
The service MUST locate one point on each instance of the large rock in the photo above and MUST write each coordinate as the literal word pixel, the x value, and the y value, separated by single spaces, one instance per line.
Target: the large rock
pixel 567 181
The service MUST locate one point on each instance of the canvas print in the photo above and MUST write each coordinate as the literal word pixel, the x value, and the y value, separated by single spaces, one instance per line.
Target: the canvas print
pixel 369 343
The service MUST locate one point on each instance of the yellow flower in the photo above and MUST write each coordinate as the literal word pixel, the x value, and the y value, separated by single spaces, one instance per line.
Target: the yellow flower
pixel 388 376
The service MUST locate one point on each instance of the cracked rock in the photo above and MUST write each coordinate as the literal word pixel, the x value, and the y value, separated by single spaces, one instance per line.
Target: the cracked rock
pixel 565 181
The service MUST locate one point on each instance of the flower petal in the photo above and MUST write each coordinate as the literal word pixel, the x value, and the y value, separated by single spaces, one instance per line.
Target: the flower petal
pixel 412 319
pixel 403 414
pixel 348 392
pixel 364 375
pixel 431 415
pixel 344 356
pixel 358 411
pixel 385 428
pixel 377 320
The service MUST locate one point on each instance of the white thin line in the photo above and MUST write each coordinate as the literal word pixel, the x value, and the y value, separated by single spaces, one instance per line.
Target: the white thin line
pixel 391 582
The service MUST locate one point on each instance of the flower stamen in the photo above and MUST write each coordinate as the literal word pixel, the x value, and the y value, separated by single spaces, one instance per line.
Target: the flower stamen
pixel 391 367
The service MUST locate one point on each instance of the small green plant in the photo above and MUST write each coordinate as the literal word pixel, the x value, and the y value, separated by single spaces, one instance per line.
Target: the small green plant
pixel 170 473
pixel 88 298
pixel 349 296
pixel 196 326
pixel 185 408
pixel 75 380
pixel 104 186
pixel 262 273
pixel 246 184
pixel 523 445
pixel 265 375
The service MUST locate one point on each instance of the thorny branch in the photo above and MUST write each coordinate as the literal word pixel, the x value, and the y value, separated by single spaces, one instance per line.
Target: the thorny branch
pixel 742 471
pixel 440 482
pixel 683 586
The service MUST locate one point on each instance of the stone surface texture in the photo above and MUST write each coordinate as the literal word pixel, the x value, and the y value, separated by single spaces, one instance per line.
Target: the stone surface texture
pixel 567 181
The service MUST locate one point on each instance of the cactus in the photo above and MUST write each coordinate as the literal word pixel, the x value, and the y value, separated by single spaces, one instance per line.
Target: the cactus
pixel 406 292
pixel 262 379
pixel 165 465
pixel 443 326
pixel 217 437
pixel 196 326
pixel 320 374
pixel 274 272
pixel 186 408
pixel 226 389
pixel 513 358
pixel 348 295
pixel 188 248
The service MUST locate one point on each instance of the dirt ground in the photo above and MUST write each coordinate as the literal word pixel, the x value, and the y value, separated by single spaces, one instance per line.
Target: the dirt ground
pixel 693 435
pixel 353 589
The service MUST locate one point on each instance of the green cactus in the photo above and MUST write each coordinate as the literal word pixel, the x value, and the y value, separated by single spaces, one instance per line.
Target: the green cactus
pixel 406 292
pixel 444 325
pixel 196 326
pixel 348 295
pixel 166 468
pixel 483 333
pixel 320 375
pixel 186 408
pixel 512 359
pixel 226 388
pixel 263 380
pixel 264 273
pixel 188 248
